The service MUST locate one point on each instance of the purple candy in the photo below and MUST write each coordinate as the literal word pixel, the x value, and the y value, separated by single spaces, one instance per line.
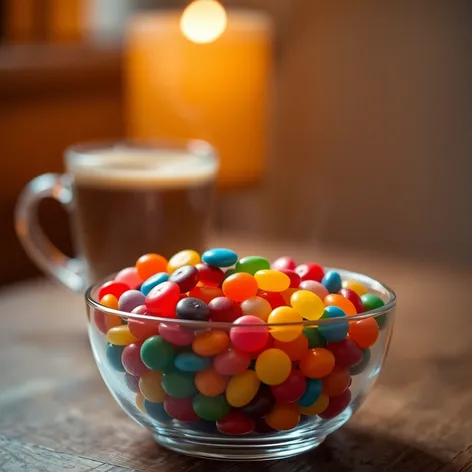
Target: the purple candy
pixel 130 300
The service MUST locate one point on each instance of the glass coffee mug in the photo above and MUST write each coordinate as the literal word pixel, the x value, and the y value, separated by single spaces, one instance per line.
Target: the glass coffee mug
pixel 126 199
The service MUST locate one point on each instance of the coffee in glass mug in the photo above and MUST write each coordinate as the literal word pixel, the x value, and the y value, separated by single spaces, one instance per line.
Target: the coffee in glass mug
pixel 125 199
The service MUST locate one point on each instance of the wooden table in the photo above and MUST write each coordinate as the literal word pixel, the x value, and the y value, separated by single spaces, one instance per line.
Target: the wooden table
pixel 56 414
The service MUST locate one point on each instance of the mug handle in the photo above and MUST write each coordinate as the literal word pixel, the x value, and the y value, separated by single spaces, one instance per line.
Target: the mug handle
pixel 37 245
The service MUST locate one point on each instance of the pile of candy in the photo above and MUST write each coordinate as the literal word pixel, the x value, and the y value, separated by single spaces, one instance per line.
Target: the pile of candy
pixel 255 374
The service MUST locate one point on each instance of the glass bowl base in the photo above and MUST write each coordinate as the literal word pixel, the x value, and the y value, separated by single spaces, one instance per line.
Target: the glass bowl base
pixel 247 448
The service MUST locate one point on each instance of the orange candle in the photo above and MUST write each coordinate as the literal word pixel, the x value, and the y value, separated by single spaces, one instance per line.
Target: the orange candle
pixel 214 90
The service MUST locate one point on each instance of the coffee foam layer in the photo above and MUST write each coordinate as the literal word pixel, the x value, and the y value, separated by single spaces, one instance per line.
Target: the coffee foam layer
pixel 134 168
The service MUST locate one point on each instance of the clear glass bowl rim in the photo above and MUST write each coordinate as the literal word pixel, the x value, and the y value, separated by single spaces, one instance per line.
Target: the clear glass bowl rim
pixel 349 275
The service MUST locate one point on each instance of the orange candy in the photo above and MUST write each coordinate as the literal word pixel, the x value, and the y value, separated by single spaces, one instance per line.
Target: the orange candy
pixel 316 408
pixel 140 402
pixel 364 332
pixel 210 383
pixel 210 343
pixel 286 294
pixel 295 349
pixel 333 299
pixel 240 286
pixel 143 329
pixel 337 382
pixel 317 363
pixel 206 293
pixel 284 416
pixel 150 386
pixel 150 264
pixel 108 321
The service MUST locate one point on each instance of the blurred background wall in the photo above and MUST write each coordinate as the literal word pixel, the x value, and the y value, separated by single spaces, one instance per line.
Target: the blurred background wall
pixel 371 119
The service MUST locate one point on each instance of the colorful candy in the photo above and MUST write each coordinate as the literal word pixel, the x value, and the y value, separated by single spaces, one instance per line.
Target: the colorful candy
pixel 220 257
pixel 130 299
pixel 265 366
pixel 240 286
pixel 183 258
pixel 235 424
pixel 256 306
pixel 157 353
pixel 162 299
pixel 261 345
pixel 272 280
pixel 150 264
pixel 186 277
pixel 194 309
pixel 211 408
pixel 210 383
pixel 154 281
pixel 285 314
pixel 317 363
pixel 310 271
pixel 249 338
pixel 308 304
pixel 332 281
pixel 242 388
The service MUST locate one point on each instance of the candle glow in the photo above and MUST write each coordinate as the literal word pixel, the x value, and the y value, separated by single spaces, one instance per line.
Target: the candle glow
pixel 203 21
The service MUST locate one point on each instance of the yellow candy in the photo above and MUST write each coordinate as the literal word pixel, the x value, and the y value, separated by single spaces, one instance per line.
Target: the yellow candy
pixel 183 258
pixel 120 336
pixel 242 388
pixel 272 280
pixel 285 314
pixel 140 402
pixel 357 287
pixel 273 366
pixel 316 408
pixel 256 306
pixel 308 304
pixel 150 385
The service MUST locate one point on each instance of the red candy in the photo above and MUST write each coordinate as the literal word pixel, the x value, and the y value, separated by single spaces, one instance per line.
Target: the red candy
pixel 180 409
pixel 353 298
pixel 223 309
pixel 336 405
pixel 337 382
pixel 310 271
pixel 131 359
pixel 162 299
pixel 274 298
pixel 142 329
pixel 210 275
pixel 112 288
pixel 295 279
pixel 231 362
pixel 236 424
pixel 346 353
pixel 292 389
pixel 283 262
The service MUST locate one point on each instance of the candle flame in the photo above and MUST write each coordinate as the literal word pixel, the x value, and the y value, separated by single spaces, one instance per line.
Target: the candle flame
pixel 203 21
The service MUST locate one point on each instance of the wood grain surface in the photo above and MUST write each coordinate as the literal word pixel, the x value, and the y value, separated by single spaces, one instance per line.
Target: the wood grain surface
pixel 56 414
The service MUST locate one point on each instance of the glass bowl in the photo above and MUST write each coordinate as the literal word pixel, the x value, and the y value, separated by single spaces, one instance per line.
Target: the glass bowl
pixel 198 405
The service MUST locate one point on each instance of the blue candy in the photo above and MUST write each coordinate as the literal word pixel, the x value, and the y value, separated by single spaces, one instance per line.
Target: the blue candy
pixel 220 257
pixel 154 281
pixel 156 411
pixel 190 362
pixel 114 357
pixel 332 281
pixel 313 390
pixel 334 332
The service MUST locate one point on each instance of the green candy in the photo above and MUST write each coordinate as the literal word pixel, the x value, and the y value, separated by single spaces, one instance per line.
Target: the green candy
pixel 178 384
pixel 314 338
pixel 157 353
pixel 371 302
pixel 251 264
pixel 358 368
pixel 211 408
